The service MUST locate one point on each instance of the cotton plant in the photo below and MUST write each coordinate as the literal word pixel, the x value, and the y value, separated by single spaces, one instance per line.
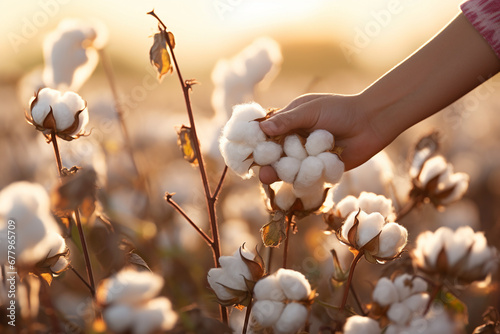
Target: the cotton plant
pixel 71 53
pixel 282 301
pixel 461 256
pixel 131 304
pixel 29 230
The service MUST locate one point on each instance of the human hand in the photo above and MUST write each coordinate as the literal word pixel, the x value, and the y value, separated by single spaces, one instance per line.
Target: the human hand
pixel 341 115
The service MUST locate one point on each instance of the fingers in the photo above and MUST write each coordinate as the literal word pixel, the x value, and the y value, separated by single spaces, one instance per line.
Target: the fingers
pixel 267 175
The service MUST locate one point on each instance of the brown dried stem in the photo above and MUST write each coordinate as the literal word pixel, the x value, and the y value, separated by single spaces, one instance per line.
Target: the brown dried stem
pixel 247 318
pixel 88 265
pixel 210 199
pixel 349 279
pixel 285 249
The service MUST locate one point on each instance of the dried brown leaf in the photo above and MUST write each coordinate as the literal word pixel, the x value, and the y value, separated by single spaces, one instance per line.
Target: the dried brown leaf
pixel 185 142
pixel 159 55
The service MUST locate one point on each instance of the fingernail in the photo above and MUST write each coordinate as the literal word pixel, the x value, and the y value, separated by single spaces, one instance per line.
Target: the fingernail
pixel 268 126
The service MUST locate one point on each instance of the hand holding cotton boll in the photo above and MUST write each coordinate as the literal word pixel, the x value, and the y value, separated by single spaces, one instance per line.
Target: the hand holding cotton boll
pixel 62 114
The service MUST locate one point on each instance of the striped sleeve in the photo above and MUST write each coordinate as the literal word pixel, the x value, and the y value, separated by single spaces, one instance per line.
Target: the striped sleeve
pixel 485 17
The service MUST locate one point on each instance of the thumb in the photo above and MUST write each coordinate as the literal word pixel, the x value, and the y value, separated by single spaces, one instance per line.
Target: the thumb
pixel 285 121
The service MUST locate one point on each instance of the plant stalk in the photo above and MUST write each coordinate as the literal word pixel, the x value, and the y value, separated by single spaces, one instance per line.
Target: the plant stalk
pixel 349 279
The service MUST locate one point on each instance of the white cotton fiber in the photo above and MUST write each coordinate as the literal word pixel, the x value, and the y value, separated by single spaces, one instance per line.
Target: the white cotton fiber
pixel 248 132
pixel 45 99
pixel 294 284
pixel 399 313
pixel 248 112
pixel 347 205
pixel 319 141
pixel 311 170
pixel 385 293
pixel 334 167
pixel 312 200
pixel 392 240
pixel 293 147
pixel 269 288
pixel 284 196
pixel 266 153
pixel 287 168
pixel 235 156
pixel 292 318
pixel 369 227
pixel 65 109
pixel 267 312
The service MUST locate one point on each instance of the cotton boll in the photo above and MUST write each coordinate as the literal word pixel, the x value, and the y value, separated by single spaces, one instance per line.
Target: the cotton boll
pixel 349 223
pixel 248 132
pixel 267 312
pixel 312 200
pixel 399 313
pixel 392 240
pixel 385 293
pixel 347 205
pixel 458 246
pixel 44 99
pixel 248 112
pixel 119 317
pixel 358 324
pixel 319 141
pixel 418 285
pixel 417 303
pixel 287 168
pixel 369 227
pixel 130 286
pixel 311 170
pixel 261 58
pixel 65 109
pixel 269 288
pixel 267 153
pixel 432 168
pixel 403 285
pixel 236 157
pixel 294 284
pixel 334 167
pixel 370 202
pixel 293 317
pixel 293 147
pixel 153 316
pixel 460 182
pixel 284 195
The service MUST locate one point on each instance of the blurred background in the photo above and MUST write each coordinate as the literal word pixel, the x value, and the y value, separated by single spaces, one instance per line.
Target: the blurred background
pixel 326 46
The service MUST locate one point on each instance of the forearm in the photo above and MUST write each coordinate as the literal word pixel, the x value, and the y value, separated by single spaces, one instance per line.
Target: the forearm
pixel 451 64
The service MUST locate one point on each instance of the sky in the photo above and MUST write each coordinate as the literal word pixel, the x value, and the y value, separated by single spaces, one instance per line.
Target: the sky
pixel 376 32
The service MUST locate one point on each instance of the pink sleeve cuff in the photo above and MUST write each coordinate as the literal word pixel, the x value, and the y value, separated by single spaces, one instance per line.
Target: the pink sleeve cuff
pixel 485 17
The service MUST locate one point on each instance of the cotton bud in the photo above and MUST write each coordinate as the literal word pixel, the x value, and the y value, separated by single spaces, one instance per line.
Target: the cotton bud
pixel 70 53
pixel 39 247
pixel 233 281
pixel 370 234
pixel 358 324
pixel 130 303
pixel 461 255
pixel 282 300
pixel 437 182
pixel 64 114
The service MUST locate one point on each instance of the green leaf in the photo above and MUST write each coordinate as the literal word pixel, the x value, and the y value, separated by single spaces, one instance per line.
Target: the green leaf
pixel 273 233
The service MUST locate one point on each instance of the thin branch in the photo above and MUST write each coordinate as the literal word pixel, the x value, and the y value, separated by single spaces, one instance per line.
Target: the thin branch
pixel 53 139
pixel 119 111
pixel 349 279
pixel 285 250
pixel 80 277
pixel 221 181
pixel 434 293
pixel 168 198
pixel 88 265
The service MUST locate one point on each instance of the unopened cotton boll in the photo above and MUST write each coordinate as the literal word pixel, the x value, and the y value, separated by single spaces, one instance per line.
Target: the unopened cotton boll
pixel 293 147
pixel 267 312
pixel 287 168
pixel 292 318
pixel 294 284
pixel 266 153
pixel 358 324
pixel 319 141
pixel 334 167
pixel 311 170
